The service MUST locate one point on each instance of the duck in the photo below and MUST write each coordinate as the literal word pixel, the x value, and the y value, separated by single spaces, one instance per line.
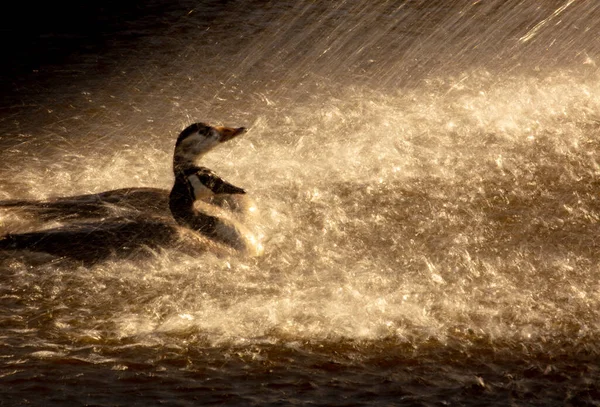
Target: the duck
pixel 202 211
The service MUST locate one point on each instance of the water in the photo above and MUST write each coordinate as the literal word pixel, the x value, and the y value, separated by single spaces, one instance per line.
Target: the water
pixel 426 175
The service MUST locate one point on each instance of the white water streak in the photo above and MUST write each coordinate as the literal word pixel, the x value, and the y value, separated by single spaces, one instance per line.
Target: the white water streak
pixel 533 32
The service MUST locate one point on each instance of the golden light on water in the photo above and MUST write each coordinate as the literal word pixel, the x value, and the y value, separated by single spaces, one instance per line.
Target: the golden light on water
pixel 420 216
pixel 424 187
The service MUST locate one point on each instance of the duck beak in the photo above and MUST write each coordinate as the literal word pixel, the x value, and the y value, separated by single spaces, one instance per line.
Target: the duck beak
pixel 227 133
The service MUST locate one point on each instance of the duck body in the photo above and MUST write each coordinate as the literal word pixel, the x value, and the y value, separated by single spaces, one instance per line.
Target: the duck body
pixel 191 202
pixel 196 212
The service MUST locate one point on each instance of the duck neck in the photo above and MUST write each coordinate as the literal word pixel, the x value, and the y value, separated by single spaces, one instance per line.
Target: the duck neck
pixel 182 163
pixel 181 199
pixel 181 202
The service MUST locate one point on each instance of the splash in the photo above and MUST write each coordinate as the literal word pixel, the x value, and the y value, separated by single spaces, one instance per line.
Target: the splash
pixel 533 32
pixel 460 208
pixel 409 185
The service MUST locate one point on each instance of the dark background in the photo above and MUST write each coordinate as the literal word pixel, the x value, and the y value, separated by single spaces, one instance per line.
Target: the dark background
pixel 34 36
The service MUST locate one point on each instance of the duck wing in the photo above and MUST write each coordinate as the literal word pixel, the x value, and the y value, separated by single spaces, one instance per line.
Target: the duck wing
pixel 118 202
pixel 217 184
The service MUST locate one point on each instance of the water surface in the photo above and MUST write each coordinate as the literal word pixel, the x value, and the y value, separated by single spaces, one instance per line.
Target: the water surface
pixel 426 174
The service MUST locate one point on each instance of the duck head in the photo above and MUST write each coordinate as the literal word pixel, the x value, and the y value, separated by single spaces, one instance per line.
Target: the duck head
pixel 198 139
